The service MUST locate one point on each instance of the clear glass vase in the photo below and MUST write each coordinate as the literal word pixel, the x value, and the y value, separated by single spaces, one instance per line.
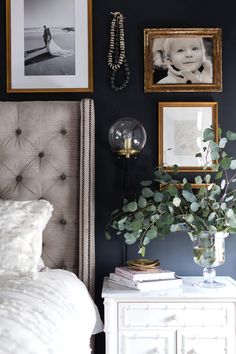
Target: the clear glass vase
pixel 209 252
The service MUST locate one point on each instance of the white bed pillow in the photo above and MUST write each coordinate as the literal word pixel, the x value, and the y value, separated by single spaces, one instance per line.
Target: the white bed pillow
pixel 21 227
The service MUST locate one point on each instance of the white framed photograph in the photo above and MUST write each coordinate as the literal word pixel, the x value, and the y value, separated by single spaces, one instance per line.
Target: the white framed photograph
pixel 49 46
pixel 180 132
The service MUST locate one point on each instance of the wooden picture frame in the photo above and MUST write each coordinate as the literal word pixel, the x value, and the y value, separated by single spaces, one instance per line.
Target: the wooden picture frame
pixel 182 60
pixel 194 186
pixel 180 133
pixel 44 41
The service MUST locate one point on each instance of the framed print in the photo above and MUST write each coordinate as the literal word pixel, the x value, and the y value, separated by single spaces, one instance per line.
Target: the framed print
pixel 182 59
pixel 194 186
pixel 49 46
pixel 180 133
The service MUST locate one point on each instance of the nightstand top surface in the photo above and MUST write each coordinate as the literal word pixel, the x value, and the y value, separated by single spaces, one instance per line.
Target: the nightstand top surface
pixel 189 290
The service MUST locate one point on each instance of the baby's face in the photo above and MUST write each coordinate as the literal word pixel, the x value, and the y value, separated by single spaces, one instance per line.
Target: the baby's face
pixel 186 53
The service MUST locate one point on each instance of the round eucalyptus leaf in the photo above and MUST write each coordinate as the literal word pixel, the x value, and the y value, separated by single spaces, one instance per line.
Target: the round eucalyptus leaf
pixel 129 238
pixel 225 163
pixel 194 207
pixel 207 178
pixel 233 165
pixel 215 206
pixel 212 228
pixel 146 241
pixel 189 218
pixel 146 183
pixel 222 142
pixel 190 197
pixel 147 192
pixel 107 236
pixel 219 175
pixel 214 155
pixel 230 213
pixel 208 134
pixel 177 201
pixel 172 190
pixel 142 251
pixel 229 198
pixel 136 225
pixel 142 202
pixel 174 228
pixel 232 222
pixel 211 216
pixel 158 197
pixel 223 206
pixel 231 135
pixel 198 180
pixel 154 217
pixel 222 184
pixel 151 234
pixel 122 221
pixel 151 208
pixel 132 206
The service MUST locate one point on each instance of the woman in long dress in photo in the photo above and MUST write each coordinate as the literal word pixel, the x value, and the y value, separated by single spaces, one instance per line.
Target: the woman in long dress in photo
pixel 57 51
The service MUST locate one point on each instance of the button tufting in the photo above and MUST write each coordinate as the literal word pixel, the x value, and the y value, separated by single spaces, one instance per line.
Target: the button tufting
pixel 19 178
pixel 18 131
pixel 43 244
pixel 63 131
pixel 63 221
pixel 63 267
pixel 63 177
pixel 41 154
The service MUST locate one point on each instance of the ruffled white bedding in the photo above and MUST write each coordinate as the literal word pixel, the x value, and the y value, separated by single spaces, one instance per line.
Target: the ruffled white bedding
pixel 51 315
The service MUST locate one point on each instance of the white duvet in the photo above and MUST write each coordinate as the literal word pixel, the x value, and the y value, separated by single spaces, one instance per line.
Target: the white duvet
pixel 51 315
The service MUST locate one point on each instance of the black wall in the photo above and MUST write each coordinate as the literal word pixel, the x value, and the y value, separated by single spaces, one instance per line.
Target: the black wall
pixel 175 252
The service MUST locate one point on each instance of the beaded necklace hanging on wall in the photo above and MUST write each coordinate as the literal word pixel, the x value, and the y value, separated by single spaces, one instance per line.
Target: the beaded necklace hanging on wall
pixel 120 72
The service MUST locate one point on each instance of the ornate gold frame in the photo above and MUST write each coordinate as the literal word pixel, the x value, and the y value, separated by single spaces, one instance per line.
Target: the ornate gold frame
pixel 66 89
pixel 161 105
pixel 180 185
pixel 213 33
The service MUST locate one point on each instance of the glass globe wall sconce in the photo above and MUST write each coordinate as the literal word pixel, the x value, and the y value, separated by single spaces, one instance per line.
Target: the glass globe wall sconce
pixel 127 137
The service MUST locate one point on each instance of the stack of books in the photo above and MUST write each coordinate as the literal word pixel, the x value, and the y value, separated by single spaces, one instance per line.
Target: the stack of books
pixel 145 280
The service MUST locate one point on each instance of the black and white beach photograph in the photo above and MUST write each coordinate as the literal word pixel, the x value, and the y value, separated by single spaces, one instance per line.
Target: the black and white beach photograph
pixel 49 37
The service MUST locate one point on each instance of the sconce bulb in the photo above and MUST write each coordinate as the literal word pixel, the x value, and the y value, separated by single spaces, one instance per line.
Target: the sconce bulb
pixel 127 137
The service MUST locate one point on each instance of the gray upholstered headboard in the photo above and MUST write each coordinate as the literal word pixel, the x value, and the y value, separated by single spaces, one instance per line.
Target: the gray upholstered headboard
pixel 47 151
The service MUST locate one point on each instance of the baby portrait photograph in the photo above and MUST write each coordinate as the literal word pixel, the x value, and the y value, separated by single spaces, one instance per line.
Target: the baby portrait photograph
pixel 182 60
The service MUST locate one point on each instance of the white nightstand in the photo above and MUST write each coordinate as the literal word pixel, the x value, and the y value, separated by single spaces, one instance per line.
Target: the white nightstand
pixel 186 320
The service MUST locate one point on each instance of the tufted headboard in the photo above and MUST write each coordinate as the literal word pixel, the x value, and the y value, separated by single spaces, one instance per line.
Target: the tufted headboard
pixel 47 151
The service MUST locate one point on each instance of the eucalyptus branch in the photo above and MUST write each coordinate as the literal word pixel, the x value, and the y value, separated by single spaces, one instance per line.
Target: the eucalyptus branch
pixel 195 211
pixel 143 234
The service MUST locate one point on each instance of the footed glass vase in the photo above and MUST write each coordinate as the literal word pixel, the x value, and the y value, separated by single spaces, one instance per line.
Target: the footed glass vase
pixel 209 252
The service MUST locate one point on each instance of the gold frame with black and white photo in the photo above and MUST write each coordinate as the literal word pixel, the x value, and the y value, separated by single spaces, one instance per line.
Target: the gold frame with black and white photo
pixel 156 60
pixel 31 67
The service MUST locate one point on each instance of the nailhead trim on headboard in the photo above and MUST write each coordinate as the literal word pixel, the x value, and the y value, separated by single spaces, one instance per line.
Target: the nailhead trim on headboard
pixel 87 207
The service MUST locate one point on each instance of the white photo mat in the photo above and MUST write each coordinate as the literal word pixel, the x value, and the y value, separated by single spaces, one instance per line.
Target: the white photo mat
pixel 80 81
pixel 182 134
